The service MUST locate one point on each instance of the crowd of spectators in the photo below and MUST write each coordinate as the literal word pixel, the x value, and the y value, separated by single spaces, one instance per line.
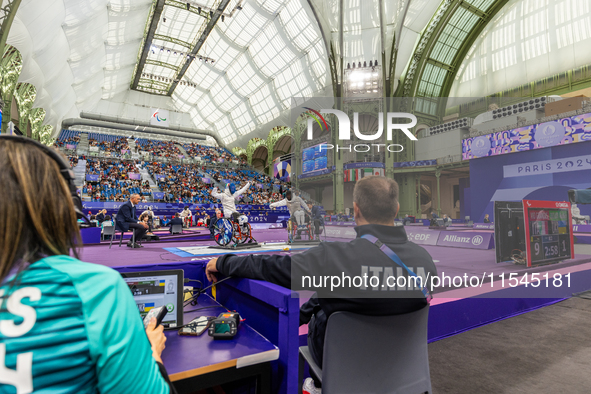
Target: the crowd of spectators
pixel 114 183
pixel 208 153
pixel 67 137
pixel 181 183
pixel 158 148
pixel 113 145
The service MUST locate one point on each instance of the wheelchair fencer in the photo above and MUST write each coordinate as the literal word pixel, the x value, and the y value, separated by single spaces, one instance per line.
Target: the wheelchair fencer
pixel 233 231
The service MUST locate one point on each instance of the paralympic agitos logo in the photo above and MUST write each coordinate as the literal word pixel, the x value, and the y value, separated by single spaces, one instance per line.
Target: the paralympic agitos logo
pixel 345 129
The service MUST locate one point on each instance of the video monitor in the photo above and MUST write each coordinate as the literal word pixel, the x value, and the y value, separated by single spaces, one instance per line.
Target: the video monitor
pixel 151 289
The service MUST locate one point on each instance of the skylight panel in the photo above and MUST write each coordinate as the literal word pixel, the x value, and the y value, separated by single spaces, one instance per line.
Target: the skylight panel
pixel 209 108
pixel 245 25
pixel 263 105
pixel 243 76
pixel 243 119
pixel 224 95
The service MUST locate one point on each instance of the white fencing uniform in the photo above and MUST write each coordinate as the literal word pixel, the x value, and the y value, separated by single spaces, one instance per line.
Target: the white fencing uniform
pixel 228 199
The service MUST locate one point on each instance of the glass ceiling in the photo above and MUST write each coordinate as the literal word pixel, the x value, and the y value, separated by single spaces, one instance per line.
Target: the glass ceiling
pixel 263 54
pixel 528 40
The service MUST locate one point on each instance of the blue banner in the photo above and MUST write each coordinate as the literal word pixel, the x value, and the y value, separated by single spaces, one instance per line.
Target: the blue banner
pixel 554 133
pixel 258 213
pixel 158 195
pixel 93 178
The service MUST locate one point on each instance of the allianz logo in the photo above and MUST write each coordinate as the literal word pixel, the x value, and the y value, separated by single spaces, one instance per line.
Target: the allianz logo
pixel 476 240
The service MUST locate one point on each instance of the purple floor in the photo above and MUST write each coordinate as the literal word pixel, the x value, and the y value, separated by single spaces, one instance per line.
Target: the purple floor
pixel 449 261
pixel 153 252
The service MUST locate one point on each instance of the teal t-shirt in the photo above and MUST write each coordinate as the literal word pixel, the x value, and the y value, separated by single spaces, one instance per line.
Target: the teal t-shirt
pixel 73 327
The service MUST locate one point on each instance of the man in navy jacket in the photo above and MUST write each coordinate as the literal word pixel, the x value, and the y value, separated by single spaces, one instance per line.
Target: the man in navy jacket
pixel 127 219
pixel 175 220
pixel 375 204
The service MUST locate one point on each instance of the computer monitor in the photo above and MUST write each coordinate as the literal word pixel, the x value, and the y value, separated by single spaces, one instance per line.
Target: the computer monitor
pixel 151 289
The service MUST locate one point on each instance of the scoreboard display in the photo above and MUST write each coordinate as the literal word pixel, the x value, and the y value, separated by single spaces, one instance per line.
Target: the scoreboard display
pixel 548 231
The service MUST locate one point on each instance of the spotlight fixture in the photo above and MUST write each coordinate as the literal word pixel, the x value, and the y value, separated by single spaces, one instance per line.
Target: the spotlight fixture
pixel 371 65
pixel 353 64
pixel 359 65
pixel 222 18
pixel 348 65
pixel 239 7
pixel 211 14
pixel 365 64
pixel 375 62
pixel 164 19
pixel 188 6
pixel 199 10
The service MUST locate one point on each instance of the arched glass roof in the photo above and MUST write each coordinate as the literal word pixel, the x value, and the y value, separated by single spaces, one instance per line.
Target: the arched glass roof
pixel 526 41
pixel 265 52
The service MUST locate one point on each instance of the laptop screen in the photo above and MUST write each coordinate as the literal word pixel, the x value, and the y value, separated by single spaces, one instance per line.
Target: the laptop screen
pixel 151 289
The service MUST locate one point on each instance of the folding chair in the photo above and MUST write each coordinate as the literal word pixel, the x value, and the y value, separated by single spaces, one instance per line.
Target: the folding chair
pixel 373 354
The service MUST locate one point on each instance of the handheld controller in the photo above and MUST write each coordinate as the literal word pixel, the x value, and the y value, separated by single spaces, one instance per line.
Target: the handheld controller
pixel 158 313
pixel 225 326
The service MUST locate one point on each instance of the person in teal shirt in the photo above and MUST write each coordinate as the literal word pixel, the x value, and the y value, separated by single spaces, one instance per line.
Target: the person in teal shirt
pixel 65 325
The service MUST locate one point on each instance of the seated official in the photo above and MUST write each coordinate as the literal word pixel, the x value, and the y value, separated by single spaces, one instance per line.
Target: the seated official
pixel 214 220
pixel 375 205
pixel 126 219
pixel 165 221
pixel 101 215
pixel 71 326
pixel 145 218
pixel 486 219
pixel 175 220
pixel 406 220
pixel 446 220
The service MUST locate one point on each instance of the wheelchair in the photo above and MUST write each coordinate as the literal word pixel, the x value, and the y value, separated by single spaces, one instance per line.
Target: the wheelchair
pixel 233 231
pixel 307 229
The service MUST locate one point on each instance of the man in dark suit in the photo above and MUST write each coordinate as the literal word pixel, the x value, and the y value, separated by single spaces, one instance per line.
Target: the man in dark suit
pixel 175 220
pixel 127 219
pixel 214 220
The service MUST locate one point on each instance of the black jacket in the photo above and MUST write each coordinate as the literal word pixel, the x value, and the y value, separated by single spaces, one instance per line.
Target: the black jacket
pixel 352 258
pixel 125 216
pixel 100 217
pixel 174 221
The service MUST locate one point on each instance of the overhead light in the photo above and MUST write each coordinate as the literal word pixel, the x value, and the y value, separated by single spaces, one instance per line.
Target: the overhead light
pixel 175 52
pixel 359 65
pixel 211 14
pixel 188 6
pixel 161 49
pixel 168 50
pixel 239 7
pixel 199 10
pixel 349 65
pixel 222 18
pixel 164 19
